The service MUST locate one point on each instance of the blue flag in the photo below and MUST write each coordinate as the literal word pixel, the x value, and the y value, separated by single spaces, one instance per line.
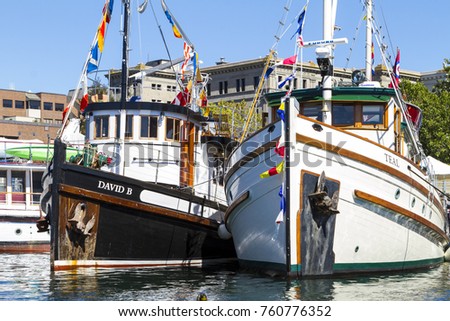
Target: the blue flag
pixel 301 17
pixel 93 59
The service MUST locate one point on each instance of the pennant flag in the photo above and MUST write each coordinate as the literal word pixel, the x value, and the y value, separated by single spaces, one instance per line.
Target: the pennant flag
pixel 183 97
pixel 280 111
pixel 287 61
pixel 290 60
pixel 203 99
pixel 280 217
pixel 301 19
pixel 273 171
pixel 175 30
pixel 300 42
pixel 279 148
pixel 187 57
pixel 101 34
pixel 282 83
pixel 396 72
pixel 85 99
pixel 93 59
pixel 107 10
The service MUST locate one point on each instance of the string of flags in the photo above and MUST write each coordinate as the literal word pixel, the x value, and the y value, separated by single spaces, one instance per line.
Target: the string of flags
pixel 92 61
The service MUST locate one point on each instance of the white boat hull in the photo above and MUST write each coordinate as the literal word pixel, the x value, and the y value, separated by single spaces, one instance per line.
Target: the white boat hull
pixel 387 219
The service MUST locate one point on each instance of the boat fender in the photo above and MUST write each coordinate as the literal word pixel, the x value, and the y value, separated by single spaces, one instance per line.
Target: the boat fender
pixel 223 232
pixel 447 254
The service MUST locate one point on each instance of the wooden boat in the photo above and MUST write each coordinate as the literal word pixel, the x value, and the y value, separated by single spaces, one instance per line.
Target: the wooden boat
pixel 354 192
pixel 147 190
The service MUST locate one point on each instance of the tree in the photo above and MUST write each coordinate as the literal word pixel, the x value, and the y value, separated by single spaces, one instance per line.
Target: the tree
pixel 233 116
pixel 435 131
pixel 444 85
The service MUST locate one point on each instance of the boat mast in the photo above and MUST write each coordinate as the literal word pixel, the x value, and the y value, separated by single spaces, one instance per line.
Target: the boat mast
pixel 124 84
pixel 369 40
pixel 326 52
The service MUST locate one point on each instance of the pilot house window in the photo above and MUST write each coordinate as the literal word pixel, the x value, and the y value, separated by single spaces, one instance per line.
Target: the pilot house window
pixel 173 129
pixel 372 115
pixel 101 126
pixel 343 114
pixel 149 126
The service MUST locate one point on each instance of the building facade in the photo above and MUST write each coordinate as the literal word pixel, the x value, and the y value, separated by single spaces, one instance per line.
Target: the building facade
pixel 25 115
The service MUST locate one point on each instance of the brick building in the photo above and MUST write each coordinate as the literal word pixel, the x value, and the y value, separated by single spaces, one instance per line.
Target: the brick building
pixel 25 115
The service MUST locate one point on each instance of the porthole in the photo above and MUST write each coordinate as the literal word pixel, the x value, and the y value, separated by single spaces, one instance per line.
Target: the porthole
pixel 18 231
pixel 397 193
pixel 413 202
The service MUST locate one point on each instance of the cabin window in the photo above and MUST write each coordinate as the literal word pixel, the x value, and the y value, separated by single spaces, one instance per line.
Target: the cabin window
pixel 128 126
pixel 36 186
pixel 312 111
pixel 372 115
pixel 2 186
pixel 149 126
pixel 101 126
pixel 18 186
pixel 343 114
pixel 172 129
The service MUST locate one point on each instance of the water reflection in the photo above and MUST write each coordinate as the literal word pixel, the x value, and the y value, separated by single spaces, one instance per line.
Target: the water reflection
pixel 28 277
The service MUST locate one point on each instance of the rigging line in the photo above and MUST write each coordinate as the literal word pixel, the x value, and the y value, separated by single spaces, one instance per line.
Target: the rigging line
pixel 354 40
pixel 387 30
pixel 428 182
pixel 163 38
pixel 139 32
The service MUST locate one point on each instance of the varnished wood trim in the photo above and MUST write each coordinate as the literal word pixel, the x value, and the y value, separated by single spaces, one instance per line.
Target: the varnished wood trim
pixel 235 204
pixel 249 157
pixel 393 207
pixel 371 162
pixel 117 201
pixel 366 140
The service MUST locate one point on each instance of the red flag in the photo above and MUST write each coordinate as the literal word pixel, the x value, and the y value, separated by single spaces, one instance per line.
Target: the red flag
pixel 290 60
pixel 396 72
pixel 85 99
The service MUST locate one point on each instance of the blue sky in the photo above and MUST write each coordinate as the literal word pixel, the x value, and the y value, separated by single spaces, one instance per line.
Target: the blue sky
pixel 45 43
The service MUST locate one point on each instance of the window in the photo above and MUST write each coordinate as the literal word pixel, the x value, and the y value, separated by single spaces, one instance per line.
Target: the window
pixel 172 128
pixel 128 126
pixel 238 85
pixel 208 89
pixel 101 126
pixel 48 106
pixel 2 186
pixel 225 87
pixel 36 186
pixel 34 104
pixel 59 107
pixel 243 84
pixel 7 103
pixel 312 111
pixel 149 126
pixel 255 82
pixel 343 114
pixel 18 186
pixel 372 115
pixel 220 88
pixel 19 104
